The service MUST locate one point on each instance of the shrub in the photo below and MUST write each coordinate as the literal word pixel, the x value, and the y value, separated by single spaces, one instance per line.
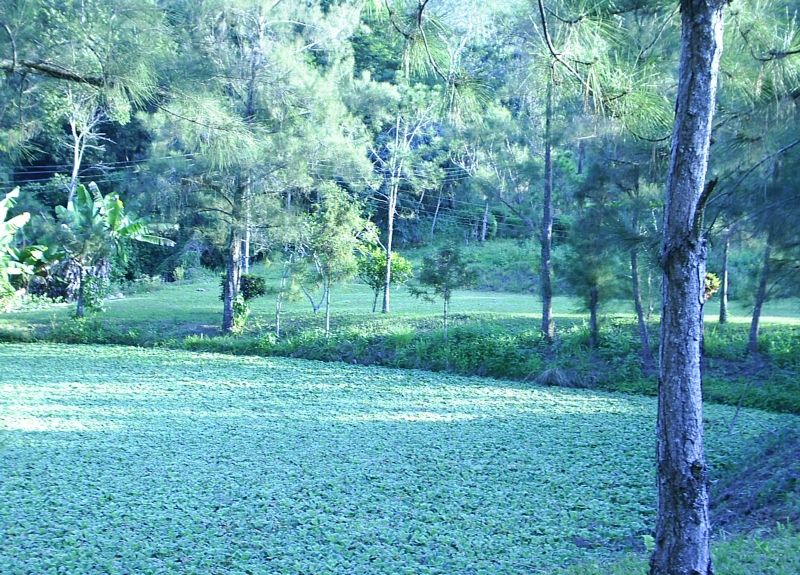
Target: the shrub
pixel 252 286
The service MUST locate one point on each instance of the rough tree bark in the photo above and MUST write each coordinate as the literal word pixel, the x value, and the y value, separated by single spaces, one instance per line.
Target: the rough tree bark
pixel 683 527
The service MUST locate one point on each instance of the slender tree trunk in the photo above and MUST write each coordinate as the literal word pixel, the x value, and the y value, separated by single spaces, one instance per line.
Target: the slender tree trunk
pixel 593 329
pixel 79 306
pixel 548 323
pixel 683 526
pixel 436 216
pixel 375 301
pixel 397 168
pixel 77 158
pixel 279 298
pixel 278 308
pixel 723 289
pixel 234 267
pixel 389 239
pixel 446 305
pixel 761 297
pixel 246 242
pixel 485 222
pixel 327 310
pixel 232 277
pixel 644 335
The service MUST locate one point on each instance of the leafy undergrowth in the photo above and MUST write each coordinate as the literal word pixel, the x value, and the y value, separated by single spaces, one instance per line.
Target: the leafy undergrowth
pixel 124 460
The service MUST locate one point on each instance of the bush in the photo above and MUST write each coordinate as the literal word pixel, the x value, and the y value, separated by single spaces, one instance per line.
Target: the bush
pixel 251 286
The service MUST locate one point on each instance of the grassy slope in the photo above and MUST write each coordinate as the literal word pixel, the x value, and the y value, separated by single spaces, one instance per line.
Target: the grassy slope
pixel 153 461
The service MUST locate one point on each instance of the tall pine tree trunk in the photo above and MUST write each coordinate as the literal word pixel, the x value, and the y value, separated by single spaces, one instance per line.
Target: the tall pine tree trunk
pixel 761 297
pixel 683 526
pixel 548 324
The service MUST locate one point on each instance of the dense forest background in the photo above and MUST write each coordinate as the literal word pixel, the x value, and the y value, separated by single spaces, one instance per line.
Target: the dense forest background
pixel 311 134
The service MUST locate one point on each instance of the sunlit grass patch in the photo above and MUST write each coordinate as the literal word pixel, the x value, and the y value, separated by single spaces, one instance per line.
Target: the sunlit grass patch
pixel 151 461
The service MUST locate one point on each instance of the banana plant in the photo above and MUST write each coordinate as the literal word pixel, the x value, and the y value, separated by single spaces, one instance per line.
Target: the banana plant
pixel 94 227
pixel 14 261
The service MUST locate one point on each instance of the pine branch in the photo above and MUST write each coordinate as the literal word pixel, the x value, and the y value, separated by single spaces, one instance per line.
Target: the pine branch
pixel 52 71
pixel 13 46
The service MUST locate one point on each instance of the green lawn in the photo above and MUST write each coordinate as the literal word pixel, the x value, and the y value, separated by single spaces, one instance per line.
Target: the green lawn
pixel 177 309
pixel 125 460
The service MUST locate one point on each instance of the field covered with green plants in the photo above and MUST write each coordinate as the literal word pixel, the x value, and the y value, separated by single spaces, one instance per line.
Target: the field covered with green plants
pixel 123 460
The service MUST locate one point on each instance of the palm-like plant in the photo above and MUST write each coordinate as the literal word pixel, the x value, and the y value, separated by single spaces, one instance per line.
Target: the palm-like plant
pixel 92 228
pixel 9 261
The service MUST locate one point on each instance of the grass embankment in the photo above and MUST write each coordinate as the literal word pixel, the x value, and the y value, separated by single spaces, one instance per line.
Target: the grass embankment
pixel 491 334
pixel 120 460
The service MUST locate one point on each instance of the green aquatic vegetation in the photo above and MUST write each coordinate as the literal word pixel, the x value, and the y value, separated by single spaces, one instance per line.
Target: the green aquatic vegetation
pixel 121 460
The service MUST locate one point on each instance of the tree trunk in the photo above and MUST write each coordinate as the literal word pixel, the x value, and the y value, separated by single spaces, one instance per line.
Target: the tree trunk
pixel 232 277
pixel 233 271
pixel 278 308
pixel 246 243
pixel 436 215
pixel 593 329
pixel 723 288
pixel 279 298
pixel 77 158
pixel 79 309
pixel 392 202
pixel 485 223
pixel 761 297
pixel 548 324
pixel 644 335
pixel 327 310
pixel 375 301
pixel 683 526
pixel 389 237
pixel 314 305
pixel 446 305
